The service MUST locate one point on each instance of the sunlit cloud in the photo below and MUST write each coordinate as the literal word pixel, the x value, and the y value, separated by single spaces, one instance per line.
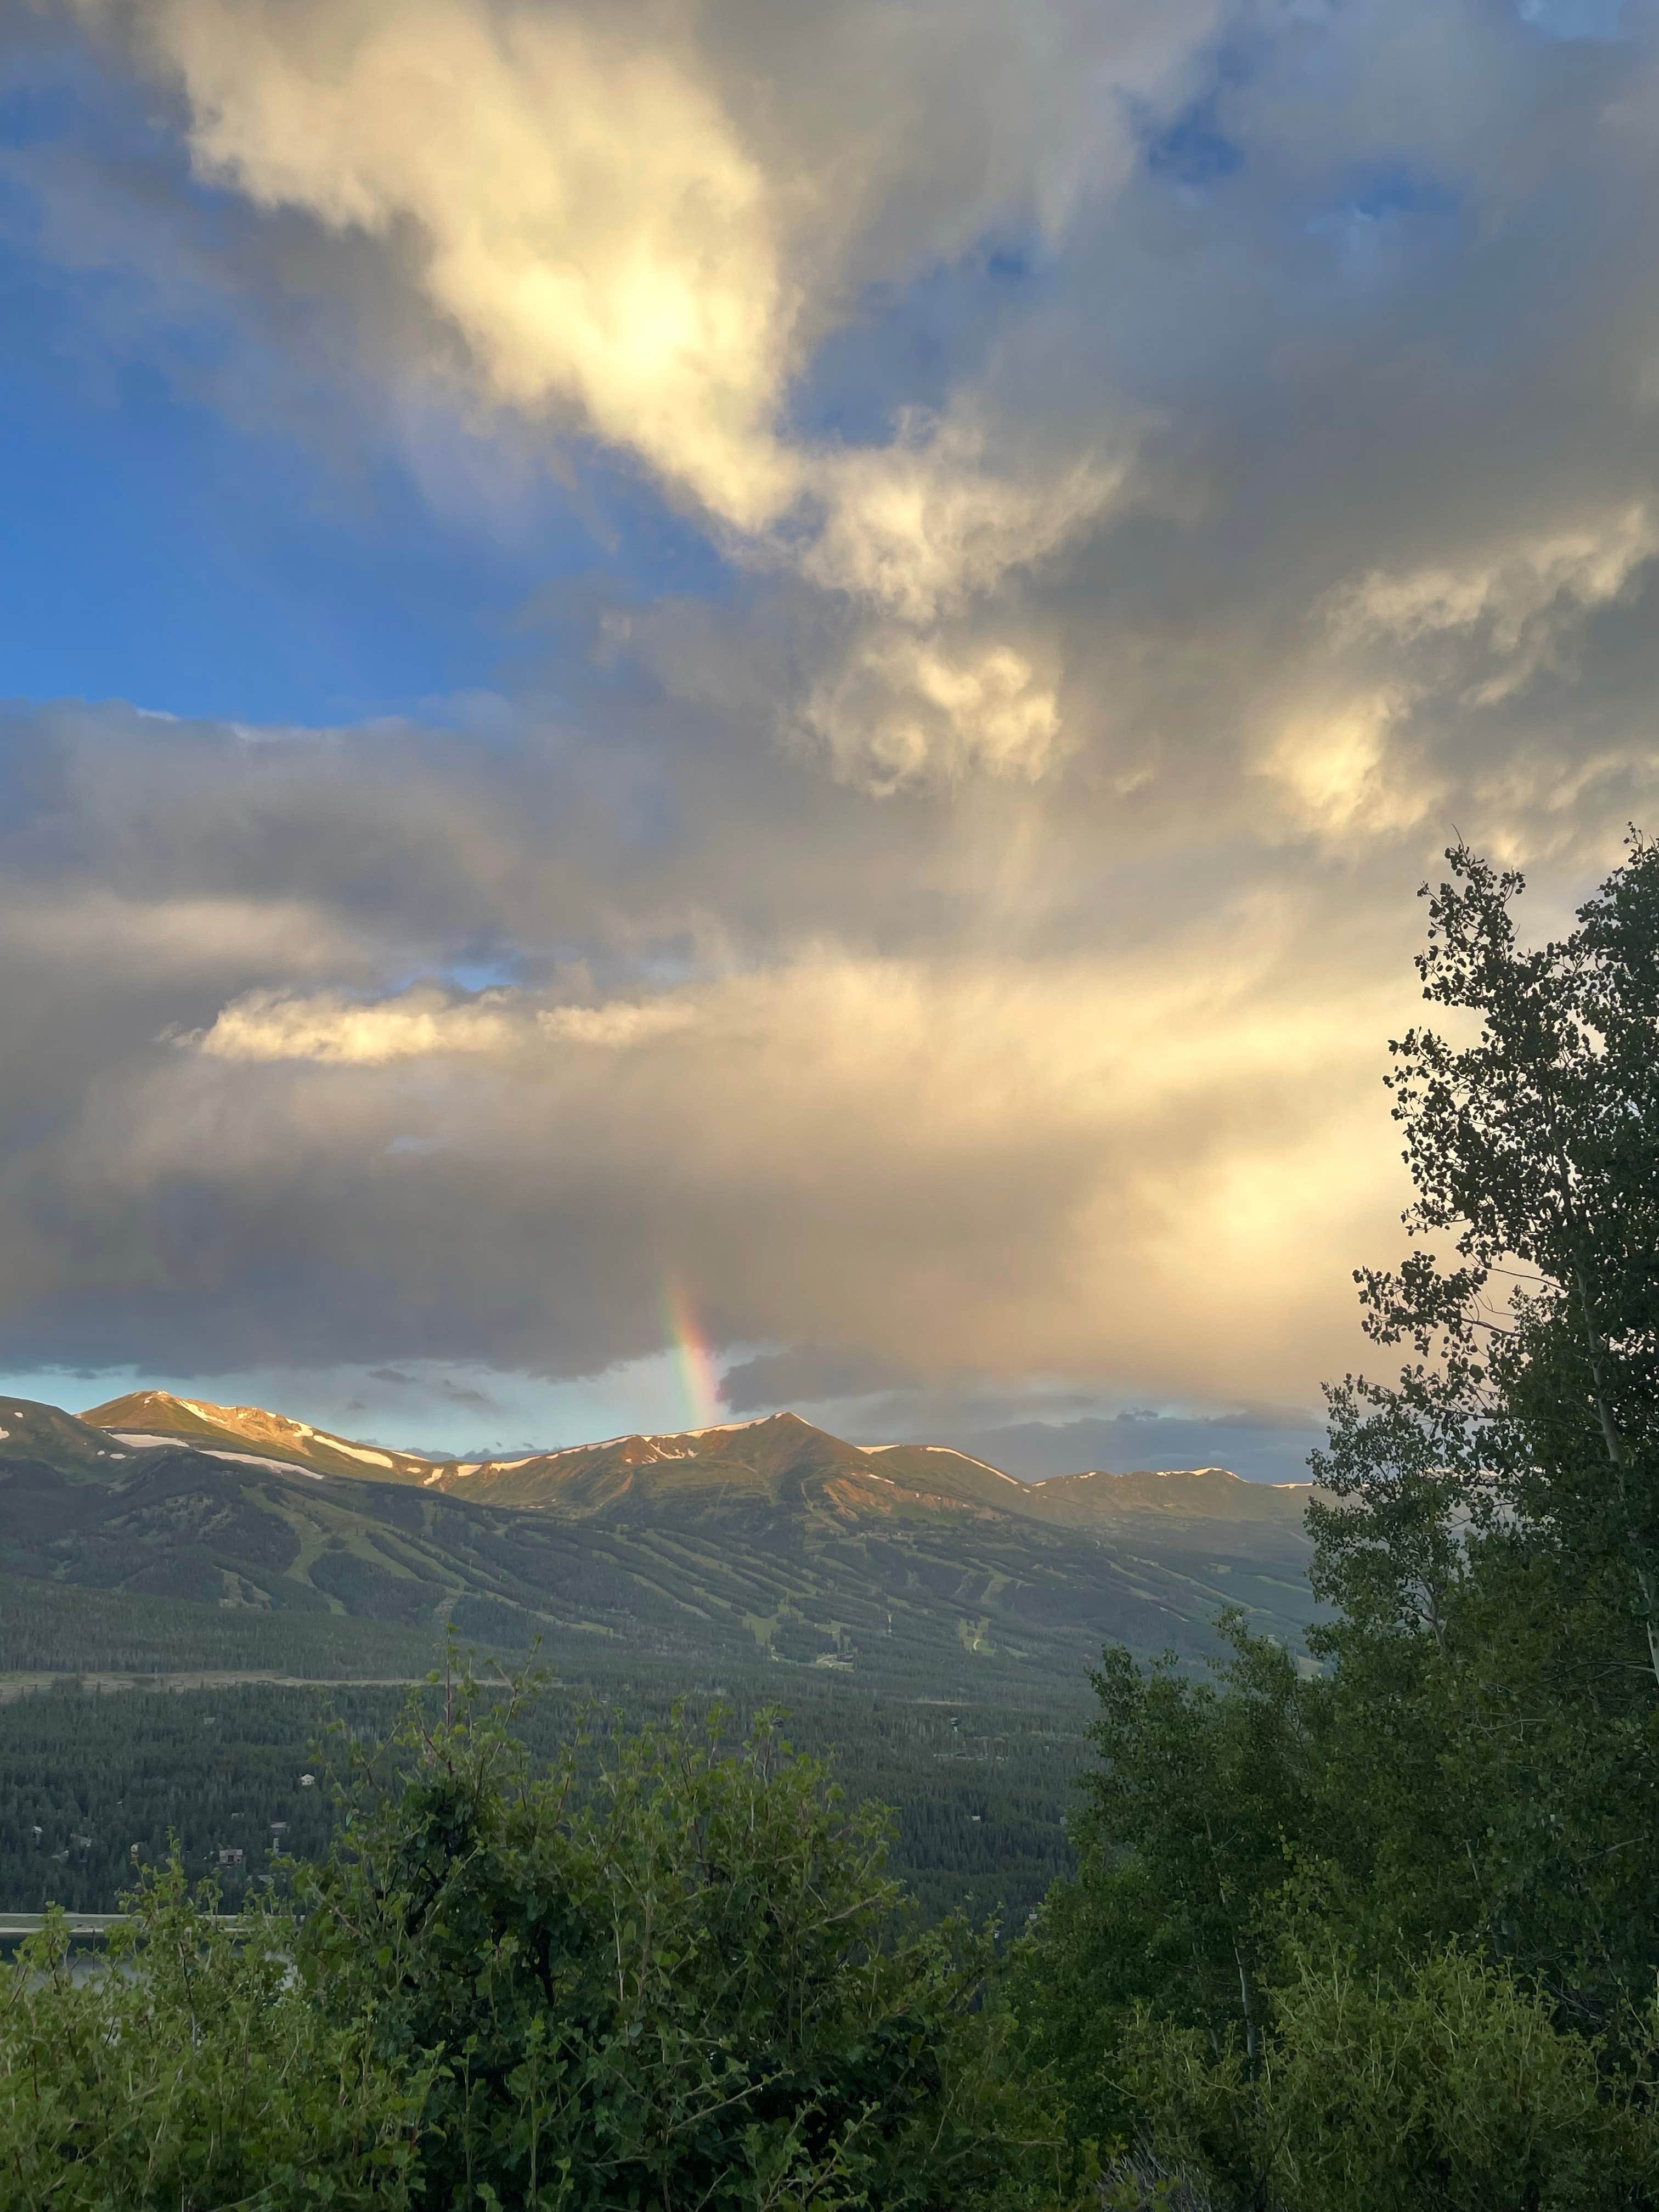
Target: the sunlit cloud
pixel 583 215
pixel 899 709
pixel 421 1023
pixel 1342 773
pixel 921 524
pixel 1519 602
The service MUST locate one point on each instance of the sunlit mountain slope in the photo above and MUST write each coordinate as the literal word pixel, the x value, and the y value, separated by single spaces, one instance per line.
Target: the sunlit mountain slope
pixel 250 1431
pixel 776 1459
pixel 768 1540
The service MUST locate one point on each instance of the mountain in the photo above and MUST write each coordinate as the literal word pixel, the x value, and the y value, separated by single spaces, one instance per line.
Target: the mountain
pixel 249 1432
pixel 762 1541
pixel 730 1464
pixel 1205 1493
pixel 80 1451
pixel 941 1471
pixel 779 1463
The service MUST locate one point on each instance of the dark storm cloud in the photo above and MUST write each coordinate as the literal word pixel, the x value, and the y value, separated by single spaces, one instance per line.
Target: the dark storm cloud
pixel 802 1375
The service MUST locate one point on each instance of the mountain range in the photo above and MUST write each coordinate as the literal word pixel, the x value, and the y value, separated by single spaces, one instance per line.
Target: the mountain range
pixel 768 1541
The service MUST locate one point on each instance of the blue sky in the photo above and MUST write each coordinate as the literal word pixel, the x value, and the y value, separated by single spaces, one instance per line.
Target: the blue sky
pixel 223 566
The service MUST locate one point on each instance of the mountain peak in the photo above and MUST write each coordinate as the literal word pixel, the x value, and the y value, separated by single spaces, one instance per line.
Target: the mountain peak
pixel 773 1462
pixel 231 1431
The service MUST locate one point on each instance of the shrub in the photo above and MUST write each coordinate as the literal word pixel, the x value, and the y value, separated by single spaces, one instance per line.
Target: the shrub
pixel 687 1983
pixel 189 2071
pixel 1453 2090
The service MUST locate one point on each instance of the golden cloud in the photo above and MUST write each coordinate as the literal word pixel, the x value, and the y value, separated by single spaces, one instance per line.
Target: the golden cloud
pixel 423 1022
pixel 973 1165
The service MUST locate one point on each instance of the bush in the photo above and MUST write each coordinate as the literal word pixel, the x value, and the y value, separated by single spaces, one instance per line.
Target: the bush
pixel 1454 2090
pixel 189 2072
pixel 687 1985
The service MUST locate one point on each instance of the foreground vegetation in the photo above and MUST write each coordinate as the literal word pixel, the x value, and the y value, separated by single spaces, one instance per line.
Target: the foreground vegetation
pixel 688 1980
pixel 1383 1936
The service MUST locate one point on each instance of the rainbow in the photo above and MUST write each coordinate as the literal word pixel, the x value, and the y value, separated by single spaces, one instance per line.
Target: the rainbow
pixel 700 1375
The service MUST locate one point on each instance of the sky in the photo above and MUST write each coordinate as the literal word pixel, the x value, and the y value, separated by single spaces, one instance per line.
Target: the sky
pixel 711 707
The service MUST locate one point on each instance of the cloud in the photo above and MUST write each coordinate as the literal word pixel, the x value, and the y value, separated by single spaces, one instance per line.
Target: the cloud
pixel 899 709
pixel 1342 772
pixel 268 1025
pixel 802 1375
pixel 1520 600
pixel 1148 474
pixel 620 240
pixel 463 1394
pixel 587 219
pixel 1262 1447
pixel 940 1157
pixel 921 524
pixel 424 1023
pixel 612 1028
